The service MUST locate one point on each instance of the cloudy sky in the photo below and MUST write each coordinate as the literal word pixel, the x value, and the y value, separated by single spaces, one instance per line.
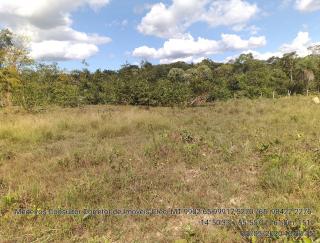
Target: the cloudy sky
pixel 109 33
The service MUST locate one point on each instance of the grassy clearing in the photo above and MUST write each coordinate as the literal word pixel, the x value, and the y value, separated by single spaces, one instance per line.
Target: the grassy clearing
pixel 240 153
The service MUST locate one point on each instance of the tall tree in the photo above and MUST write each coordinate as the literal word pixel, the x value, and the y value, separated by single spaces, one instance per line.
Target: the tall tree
pixel 13 56
pixel 288 62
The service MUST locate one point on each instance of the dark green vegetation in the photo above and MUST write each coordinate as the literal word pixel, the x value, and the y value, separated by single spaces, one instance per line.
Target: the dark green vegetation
pixel 244 153
pixel 30 85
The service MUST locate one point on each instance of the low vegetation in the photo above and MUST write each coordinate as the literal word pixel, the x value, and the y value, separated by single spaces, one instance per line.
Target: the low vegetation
pixel 260 153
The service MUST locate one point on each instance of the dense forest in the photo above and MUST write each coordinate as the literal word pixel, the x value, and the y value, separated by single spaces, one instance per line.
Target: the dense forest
pixel 29 84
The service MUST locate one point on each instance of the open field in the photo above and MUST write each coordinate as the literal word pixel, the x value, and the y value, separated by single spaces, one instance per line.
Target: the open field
pixel 237 154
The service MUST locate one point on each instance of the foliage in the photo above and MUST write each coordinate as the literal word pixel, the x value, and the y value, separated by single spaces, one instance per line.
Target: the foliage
pixel 151 85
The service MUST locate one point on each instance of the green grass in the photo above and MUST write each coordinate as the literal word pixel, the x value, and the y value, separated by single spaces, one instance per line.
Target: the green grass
pixel 240 153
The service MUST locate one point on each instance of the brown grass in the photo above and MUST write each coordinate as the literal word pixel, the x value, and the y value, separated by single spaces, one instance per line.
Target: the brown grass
pixel 240 154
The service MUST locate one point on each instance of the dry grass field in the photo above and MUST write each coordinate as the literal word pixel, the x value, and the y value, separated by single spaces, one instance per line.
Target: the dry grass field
pixel 236 154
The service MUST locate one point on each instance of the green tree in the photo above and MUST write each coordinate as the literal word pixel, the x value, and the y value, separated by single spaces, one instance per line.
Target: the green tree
pixel 13 56
pixel 176 75
pixel 288 62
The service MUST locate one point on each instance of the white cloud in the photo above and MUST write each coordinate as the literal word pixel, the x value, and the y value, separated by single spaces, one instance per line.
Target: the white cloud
pixel 62 50
pixel 172 21
pixel 231 12
pixel 48 25
pixel 234 42
pixel 308 5
pixel 252 29
pixel 190 59
pixel 299 45
pixel 189 49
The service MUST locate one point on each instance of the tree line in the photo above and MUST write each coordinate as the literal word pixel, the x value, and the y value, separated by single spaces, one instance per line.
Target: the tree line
pixel 29 84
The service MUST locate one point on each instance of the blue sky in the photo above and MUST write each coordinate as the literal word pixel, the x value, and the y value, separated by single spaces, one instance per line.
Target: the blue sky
pixel 109 33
